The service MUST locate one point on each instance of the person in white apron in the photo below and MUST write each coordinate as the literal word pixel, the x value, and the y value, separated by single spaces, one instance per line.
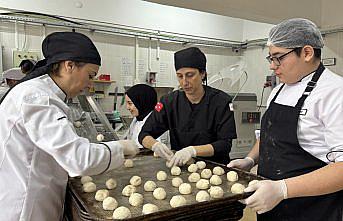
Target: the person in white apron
pixel 301 147
pixel 38 144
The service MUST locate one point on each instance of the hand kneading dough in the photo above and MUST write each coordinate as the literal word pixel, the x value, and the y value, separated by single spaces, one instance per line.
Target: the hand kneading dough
pixel 149 208
pixel 232 176
pixel 253 182
pixel 159 193
pixel 206 173
pixel 121 213
pixel 192 168
pixel 161 175
pixel 100 195
pixel 100 137
pixel 237 188
pixel 111 184
pixel 175 171
pixel 89 187
pixel 201 165
pixel 215 180
pixel 128 190
pixel 136 199
pixel 218 171
pixel 86 179
pixel 135 180
pixel 150 186
pixel 202 184
pixel 128 163
pixel 194 177
pixel 177 201
pixel 109 203
pixel 216 192
pixel 202 196
pixel 185 188
pixel 176 182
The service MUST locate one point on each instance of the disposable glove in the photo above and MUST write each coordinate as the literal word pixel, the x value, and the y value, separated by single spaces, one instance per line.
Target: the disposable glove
pixel 162 150
pixel 267 195
pixel 182 156
pixel 245 164
pixel 130 148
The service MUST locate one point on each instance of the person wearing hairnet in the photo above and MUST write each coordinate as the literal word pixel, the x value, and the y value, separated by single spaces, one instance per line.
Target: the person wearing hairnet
pixel 300 147
pixel 38 143
pixel 12 77
pixel 198 117
pixel 140 101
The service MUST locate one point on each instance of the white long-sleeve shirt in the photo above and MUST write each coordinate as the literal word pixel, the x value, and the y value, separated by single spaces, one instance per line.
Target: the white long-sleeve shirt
pixel 320 130
pixel 38 148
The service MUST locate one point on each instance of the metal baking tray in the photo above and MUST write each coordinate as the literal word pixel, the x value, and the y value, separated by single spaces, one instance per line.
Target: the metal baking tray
pixel 146 166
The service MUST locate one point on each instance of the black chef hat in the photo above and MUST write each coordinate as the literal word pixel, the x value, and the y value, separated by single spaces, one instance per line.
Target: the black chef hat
pixel 73 46
pixel 190 58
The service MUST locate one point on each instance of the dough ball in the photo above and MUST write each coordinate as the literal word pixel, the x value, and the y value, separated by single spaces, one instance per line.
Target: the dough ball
pixel 185 188
pixel 215 180
pixel 253 182
pixel 202 196
pixel 237 188
pixel 136 199
pixel 136 180
pixel 111 184
pixel 232 176
pixel 149 208
pixel 159 193
pixel 128 163
pixel 206 173
pixel 218 171
pixel 89 187
pixel 109 203
pixel 192 168
pixel 216 192
pixel 128 190
pixel 161 175
pixel 149 186
pixel 176 182
pixel 86 179
pixel 100 195
pixel 202 184
pixel 194 177
pixel 121 213
pixel 100 137
pixel 77 124
pixel 177 201
pixel 201 165
pixel 175 171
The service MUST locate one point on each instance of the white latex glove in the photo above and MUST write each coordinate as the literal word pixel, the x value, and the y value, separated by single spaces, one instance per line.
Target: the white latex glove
pixel 182 156
pixel 130 148
pixel 267 195
pixel 245 164
pixel 162 150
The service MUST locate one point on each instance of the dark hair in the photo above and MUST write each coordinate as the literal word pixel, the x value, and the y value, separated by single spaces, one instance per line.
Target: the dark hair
pixel 204 80
pixel 54 68
pixel 317 52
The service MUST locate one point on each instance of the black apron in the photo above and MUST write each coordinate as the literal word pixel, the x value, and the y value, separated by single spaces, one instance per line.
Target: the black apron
pixel 281 157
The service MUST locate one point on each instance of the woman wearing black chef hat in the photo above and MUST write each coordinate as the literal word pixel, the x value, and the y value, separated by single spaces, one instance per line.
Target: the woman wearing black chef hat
pixel 198 117
pixel 38 144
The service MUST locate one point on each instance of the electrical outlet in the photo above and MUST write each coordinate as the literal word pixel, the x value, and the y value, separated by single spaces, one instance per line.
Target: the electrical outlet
pixel 19 55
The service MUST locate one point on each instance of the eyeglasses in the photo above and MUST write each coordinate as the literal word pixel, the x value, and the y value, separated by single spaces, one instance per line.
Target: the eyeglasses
pixel 277 60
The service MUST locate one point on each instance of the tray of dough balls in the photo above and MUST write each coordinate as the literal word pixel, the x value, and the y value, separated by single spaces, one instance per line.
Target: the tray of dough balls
pixel 145 188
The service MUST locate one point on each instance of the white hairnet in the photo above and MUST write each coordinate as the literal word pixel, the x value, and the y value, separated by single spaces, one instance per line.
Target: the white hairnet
pixel 294 33
pixel 13 73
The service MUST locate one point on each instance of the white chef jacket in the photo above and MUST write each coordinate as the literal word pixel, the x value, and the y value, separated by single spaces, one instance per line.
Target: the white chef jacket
pixel 38 148
pixel 321 122
pixel 136 127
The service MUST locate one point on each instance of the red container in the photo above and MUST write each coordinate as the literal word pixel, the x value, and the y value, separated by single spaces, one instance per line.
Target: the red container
pixel 104 77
